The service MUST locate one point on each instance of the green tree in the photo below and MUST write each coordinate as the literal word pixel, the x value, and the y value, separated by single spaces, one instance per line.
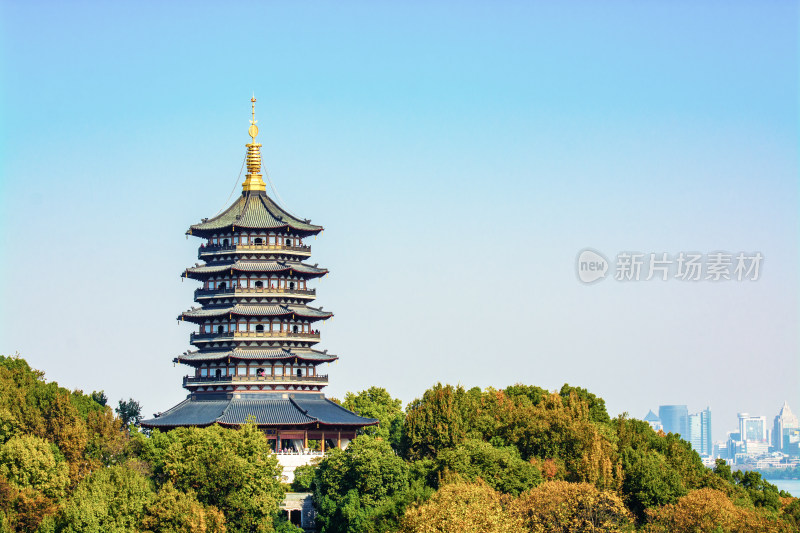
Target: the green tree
pixel 761 492
pixel 109 500
pixel 376 402
pixel 442 419
pixel 32 462
pixel 360 489
pixel 500 468
pixel 130 412
pixel 649 481
pixel 233 470
pixel 99 397
pixel 304 478
pixel 596 405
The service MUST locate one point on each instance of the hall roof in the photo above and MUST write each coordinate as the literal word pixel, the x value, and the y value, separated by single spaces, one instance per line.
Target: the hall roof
pixel 268 411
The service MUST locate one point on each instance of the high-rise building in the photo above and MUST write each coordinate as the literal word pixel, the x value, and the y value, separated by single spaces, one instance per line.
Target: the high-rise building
pixel 256 330
pixel 706 442
pixel 652 419
pixel 753 433
pixel 786 431
pixel 698 432
pixel 693 433
pixel 674 418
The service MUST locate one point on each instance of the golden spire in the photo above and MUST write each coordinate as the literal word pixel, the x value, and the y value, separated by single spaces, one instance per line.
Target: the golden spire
pixel 253 181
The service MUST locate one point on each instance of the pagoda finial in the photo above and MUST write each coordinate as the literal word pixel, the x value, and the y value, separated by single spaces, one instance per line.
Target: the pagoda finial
pixel 253 181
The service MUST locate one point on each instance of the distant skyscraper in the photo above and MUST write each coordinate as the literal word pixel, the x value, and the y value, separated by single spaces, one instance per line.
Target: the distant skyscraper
pixel 698 432
pixel 706 444
pixel 652 419
pixel 786 431
pixel 674 418
pixel 693 433
pixel 753 432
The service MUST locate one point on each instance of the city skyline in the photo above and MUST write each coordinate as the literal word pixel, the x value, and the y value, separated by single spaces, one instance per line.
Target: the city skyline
pixel 459 158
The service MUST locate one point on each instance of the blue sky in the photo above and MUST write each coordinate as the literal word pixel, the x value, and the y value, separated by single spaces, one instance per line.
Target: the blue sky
pixel 460 155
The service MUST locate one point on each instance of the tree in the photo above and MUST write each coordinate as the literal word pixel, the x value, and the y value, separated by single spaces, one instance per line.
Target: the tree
pixel 501 468
pixel 173 511
pixel 562 507
pixel 649 481
pixel 233 470
pixel 596 405
pixel 109 500
pixel 304 478
pixel 709 510
pixel 463 507
pixel 761 492
pixel 362 488
pixel 375 402
pixel 99 397
pixel 441 419
pixel 563 432
pixel 32 462
pixel 130 412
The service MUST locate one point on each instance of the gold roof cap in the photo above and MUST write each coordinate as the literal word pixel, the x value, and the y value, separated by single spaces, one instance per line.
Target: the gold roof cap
pixel 253 181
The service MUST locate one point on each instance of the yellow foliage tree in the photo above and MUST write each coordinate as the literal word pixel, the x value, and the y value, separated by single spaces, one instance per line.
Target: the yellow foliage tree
pixel 464 508
pixel 562 507
pixel 709 510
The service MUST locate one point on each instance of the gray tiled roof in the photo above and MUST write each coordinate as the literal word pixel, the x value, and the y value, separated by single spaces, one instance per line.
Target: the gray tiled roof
pixel 254 210
pixel 267 411
pixel 259 353
pixel 257 266
pixel 189 413
pixel 332 413
pixel 257 310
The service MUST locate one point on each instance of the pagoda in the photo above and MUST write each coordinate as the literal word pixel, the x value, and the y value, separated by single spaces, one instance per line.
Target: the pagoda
pixel 255 358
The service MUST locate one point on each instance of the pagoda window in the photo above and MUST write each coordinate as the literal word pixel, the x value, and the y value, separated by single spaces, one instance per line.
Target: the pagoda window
pixel 207 328
pixel 299 372
pixel 259 284
pixel 226 242
pixel 221 329
pixel 291 285
pixel 258 240
pixel 260 328
pixel 295 329
pixel 277 370
pixel 271 239
pixel 222 286
pixel 288 242
pixel 203 372
pixel 218 373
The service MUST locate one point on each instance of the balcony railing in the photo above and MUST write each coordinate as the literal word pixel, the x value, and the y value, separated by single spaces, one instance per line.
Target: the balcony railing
pixel 228 380
pixel 198 293
pixel 252 334
pixel 214 248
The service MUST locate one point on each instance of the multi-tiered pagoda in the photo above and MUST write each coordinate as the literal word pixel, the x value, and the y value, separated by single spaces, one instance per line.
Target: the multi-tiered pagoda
pixel 256 328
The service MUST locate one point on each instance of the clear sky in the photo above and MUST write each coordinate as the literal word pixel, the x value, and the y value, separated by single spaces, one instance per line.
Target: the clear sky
pixel 459 155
